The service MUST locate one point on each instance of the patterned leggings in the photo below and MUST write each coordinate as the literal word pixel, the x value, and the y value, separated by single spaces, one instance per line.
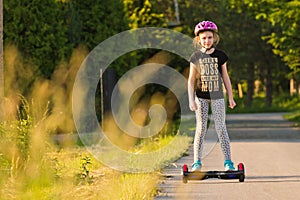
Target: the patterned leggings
pixel 218 111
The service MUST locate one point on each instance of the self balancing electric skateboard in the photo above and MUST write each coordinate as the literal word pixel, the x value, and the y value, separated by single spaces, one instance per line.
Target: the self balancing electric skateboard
pixel 202 175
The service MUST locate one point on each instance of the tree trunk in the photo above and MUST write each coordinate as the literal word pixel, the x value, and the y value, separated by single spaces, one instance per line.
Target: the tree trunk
pixel 269 87
pixel 1 53
pixel 292 87
pixel 250 86
pixel 1 60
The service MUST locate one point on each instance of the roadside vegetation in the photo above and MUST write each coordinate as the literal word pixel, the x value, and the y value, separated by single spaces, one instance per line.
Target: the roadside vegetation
pixel 294 116
pixel 281 103
pixel 33 166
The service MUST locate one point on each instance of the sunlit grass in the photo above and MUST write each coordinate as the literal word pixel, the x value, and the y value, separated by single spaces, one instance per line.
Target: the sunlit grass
pixel 33 167
pixel 280 103
pixel 57 174
pixel 294 116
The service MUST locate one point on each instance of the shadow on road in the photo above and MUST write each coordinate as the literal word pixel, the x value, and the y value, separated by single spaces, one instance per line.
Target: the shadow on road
pixel 273 179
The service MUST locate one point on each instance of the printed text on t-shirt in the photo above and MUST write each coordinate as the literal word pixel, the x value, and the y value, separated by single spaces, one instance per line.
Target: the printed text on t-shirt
pixel 209 74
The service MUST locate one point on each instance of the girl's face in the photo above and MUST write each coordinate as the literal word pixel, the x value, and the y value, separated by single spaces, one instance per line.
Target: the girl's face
pixel 206 39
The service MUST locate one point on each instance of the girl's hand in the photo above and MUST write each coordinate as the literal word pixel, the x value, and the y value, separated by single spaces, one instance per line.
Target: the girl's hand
pixel 232 103
pixel 193 106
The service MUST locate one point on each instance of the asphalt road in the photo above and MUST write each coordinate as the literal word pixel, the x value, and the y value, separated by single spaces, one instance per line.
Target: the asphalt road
pixel 269 147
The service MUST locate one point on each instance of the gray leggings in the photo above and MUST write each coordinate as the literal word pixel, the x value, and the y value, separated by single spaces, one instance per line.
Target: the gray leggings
pixel 218 111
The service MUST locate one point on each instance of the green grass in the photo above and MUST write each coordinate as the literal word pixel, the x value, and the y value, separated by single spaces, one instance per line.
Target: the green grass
pixel 33 166
pixel 52 172
pixel 294 116
pixel 66 174
pixel 281 103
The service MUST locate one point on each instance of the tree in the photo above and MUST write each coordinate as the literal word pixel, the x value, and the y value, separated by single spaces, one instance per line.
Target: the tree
pixel 97 20
pixel 262 63
pixel 143 14
pixel 284 20
pixel 37 28
pixel 47 31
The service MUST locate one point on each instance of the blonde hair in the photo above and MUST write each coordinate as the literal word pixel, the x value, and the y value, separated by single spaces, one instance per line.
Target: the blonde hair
pixel 196 40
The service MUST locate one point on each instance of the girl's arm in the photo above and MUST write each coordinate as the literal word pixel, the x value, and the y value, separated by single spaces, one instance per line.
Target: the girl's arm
pixel 191 91
pixel 228 86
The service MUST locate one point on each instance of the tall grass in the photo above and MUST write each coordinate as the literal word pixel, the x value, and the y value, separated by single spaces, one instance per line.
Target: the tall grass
pixel 33 167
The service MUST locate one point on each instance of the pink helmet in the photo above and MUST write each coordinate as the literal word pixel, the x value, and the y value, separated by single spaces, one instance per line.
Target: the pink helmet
pixel 205 25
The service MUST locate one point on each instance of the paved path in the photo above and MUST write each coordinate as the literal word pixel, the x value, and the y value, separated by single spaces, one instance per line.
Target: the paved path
pixel 269 147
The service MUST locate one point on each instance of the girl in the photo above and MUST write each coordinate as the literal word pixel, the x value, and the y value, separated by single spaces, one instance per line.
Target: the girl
pixel 207 72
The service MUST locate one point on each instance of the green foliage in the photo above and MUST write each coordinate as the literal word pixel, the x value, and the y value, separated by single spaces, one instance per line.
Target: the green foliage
pixel 138 14
pixel 23 127
pixel 294 116
pixel 250 56
pixel 286 41
pixel 39 30
pixel 281 103
pixel 46 31
pixel 96 20
pixel 283 30
pixel 84 176
pixel 142 14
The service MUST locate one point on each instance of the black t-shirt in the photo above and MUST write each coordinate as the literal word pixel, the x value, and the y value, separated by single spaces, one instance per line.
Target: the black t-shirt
pixel 209 76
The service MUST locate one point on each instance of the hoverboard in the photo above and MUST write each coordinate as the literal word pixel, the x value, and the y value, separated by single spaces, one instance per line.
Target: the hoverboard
pixel 202 175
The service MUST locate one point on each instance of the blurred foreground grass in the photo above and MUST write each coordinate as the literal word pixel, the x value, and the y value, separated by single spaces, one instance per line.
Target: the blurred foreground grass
pixel 33 167
pixel 73 173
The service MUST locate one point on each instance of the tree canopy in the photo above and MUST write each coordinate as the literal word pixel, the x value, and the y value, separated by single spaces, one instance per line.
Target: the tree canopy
pixel 283 29
pixel 254 33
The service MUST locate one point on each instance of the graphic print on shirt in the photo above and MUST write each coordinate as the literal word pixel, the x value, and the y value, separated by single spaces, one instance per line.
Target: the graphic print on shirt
pixel 209 74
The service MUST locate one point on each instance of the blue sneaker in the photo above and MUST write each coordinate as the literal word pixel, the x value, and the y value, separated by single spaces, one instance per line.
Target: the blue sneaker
pixel 197 165
pixel 228 164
